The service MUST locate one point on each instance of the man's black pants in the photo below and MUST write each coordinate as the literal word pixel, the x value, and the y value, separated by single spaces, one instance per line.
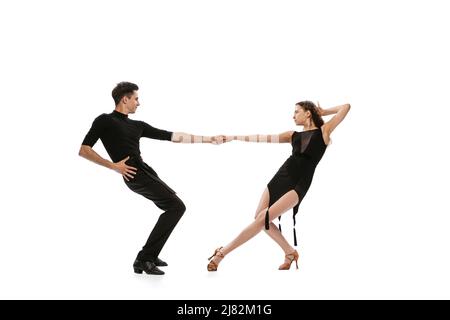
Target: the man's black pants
pixel 147 183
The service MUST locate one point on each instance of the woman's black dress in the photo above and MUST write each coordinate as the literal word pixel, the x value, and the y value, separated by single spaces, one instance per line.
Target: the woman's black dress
pixel 297 171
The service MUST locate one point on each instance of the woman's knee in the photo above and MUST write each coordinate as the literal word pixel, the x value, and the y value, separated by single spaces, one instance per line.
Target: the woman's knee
pixel 261 212
pixel 260 218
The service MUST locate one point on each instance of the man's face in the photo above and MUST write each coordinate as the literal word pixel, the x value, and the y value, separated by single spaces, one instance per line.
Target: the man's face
pixel 132 102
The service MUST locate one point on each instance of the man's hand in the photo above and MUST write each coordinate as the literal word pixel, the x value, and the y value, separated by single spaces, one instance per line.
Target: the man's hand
pixel 125 170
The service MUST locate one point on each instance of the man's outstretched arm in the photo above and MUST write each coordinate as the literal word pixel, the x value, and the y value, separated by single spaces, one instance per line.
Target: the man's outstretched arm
pixel 182 137
pixel 178 137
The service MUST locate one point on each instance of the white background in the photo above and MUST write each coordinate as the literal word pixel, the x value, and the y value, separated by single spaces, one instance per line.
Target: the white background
pixel 375 221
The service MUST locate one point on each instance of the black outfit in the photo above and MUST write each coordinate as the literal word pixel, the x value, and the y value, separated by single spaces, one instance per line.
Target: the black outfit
pixel 297 171
pixel 120 136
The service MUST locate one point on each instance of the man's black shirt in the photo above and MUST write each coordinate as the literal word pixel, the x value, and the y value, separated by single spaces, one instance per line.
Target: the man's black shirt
pixel 120 135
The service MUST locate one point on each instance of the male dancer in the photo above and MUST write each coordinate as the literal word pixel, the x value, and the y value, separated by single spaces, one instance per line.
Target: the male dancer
pixel 120 136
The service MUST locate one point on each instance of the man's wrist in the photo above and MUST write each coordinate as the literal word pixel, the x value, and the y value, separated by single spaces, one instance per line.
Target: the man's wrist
pixel 111 165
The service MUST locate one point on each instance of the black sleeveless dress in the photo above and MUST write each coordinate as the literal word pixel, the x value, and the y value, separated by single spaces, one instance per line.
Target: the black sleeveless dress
pixel 297 171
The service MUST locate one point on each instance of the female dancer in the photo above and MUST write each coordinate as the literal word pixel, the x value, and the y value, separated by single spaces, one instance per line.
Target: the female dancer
pixel 289 185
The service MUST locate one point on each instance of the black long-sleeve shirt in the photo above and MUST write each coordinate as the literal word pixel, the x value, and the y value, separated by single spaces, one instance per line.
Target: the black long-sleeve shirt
pixel 120 135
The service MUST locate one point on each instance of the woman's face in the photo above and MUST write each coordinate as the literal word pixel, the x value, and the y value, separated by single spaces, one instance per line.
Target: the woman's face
pixel 300 115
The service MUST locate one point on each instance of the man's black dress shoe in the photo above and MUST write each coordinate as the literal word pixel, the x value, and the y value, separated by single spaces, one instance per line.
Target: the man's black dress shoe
pixel 146 266
pixel 160 263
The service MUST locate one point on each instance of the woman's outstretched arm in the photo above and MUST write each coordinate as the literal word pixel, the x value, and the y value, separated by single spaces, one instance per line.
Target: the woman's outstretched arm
pixel 284 137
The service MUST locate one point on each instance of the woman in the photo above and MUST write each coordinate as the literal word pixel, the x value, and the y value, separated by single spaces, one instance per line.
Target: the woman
pixel 289 185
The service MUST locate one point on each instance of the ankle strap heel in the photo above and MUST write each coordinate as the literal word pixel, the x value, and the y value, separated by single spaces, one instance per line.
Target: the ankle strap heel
pixel 212 266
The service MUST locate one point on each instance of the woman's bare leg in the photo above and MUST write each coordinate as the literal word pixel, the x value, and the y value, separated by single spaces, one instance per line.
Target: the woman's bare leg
pixel 273 231
pixel 285 203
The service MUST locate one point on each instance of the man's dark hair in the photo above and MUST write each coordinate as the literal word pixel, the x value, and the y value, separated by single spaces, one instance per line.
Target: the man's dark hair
pixel 123 89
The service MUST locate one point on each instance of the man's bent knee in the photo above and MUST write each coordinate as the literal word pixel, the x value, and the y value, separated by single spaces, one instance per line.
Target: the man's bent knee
pixel 178 207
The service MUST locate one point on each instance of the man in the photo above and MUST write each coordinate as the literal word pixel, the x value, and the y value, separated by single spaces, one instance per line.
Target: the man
pixel 120 136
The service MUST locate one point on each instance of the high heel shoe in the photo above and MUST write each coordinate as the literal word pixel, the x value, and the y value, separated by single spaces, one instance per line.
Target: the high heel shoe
pixel 291 257
pixel 212 266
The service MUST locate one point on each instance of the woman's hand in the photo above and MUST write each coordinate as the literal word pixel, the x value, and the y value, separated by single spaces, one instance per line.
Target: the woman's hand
pixel 321 111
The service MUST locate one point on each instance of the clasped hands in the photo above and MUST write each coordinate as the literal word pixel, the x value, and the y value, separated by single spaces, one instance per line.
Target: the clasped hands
pixel 219 139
